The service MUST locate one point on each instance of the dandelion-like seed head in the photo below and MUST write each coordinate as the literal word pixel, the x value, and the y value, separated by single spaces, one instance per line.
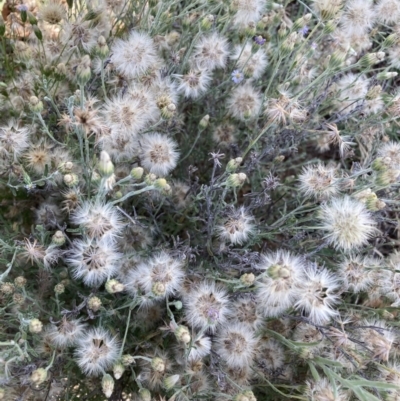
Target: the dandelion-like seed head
pixel 236 344
pixel 194 83
pixel 158 277
pixel 94 261
pixel 244 102
pixel 207 306
pixel 347 223
pixel 52 12
pixel 99 220
pixel 96 351
pixel 135 56
pixel 67 333
pixel 237 228
pixel 318 181
pixel 318 294
pixel 14 139
pixel 252 64
pixel 276 286
pixel 158 153
pixel 211 52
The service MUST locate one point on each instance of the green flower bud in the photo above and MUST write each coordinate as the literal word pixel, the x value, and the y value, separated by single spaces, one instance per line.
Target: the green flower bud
pixel 35 104
pixel 105 165
pixel 35 326
pixel 58 238
pixel 137 173
pixel 170 381
pixel 233 165
pixel 70 180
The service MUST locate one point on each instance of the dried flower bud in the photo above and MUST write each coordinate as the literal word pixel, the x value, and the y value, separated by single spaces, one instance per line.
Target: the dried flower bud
pixel 38 376
pixel 113 286
pixel 94 303
pixel 59 288
pixel 158 289
pixel 158 364
pixel 20 282
pixel 18 298
pixel 35 326
pixel 118 370
pixel 247 279
pixel 66 167
pixel 182 334
pixel 233 165
pixel 58 238
pixel 7 288
pixel 137 173
pixel 150 179
pixel 35 104
pixel 70 180
pixel 245 396
pixel 107 385
pixel 127 359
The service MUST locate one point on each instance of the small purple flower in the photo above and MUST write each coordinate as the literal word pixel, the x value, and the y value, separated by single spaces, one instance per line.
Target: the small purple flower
pixel 313 45
pixel 303 31
pixel 22 7
pixel 237 76
pixel 213 315
pixel 259 40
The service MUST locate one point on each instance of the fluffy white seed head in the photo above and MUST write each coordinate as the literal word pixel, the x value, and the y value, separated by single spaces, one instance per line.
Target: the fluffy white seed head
pixel 247 11
pixel 244 102
pixel 236 345
pixel 276 286
pixel 14 139
pixel 211 52
pixel 319 181
pixel 387 11
pixel 358 16
pixel 126 115
pixel 351 91
pixel 157 277
pixel 67 332
pixel 99 220
pixel 158 153
pixel 96 351
pixel 355 271
pixel 194 83
pixel 206 306
pixel 200 347
pixel 134 56
pixel 252 64
pixel 93 261
pixel 237 228
pixel 390 150
pixel 347 223
pixel 317 295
